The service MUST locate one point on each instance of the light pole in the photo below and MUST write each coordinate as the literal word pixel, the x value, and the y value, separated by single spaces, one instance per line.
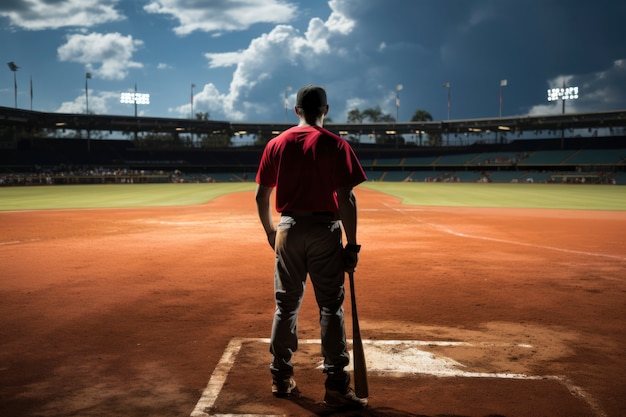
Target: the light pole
pixel 286 102
pixel 399 88
pixel 87 77
pixel 564 93
pixel 191 99
pixel 135 98
pixel 503 83
pixel 447 85
pixel 14 68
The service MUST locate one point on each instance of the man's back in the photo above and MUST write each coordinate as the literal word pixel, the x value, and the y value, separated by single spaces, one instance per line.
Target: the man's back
pixel 307 164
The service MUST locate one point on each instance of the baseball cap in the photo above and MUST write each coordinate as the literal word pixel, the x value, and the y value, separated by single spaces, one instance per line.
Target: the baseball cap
pixel 311 97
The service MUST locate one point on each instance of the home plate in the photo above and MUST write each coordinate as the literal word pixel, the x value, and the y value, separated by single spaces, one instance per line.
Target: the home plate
pixel 240 384
pixel 395 357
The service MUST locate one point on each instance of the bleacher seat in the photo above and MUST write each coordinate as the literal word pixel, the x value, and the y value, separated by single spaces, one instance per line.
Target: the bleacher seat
pixel 460 159
pixel 396 176
pixel 506 176
pixel 597 157
pixel 547 158
pixel 420 161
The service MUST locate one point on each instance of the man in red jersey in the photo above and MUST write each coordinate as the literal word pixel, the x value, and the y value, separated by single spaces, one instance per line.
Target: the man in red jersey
pixel 314 172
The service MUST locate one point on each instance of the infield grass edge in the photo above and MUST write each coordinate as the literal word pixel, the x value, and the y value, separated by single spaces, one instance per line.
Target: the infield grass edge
pixel 546 196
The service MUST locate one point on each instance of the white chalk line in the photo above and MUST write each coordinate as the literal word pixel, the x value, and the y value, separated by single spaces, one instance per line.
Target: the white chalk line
pixel 218 377
pixel 492 239
pixel 217 380
pixel 17 242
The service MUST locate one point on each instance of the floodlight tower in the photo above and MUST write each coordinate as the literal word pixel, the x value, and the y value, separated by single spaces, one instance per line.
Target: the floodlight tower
pixel 135 98
pixel 14 68
pixel 191 99
pixel 287 90
pixel 87 77
pixel 399 88
pixel 563 94
pixel 503 83
pixel 447 85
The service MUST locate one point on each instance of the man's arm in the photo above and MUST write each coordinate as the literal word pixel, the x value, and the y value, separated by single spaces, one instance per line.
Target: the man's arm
pixel 348 213
pixel 264 210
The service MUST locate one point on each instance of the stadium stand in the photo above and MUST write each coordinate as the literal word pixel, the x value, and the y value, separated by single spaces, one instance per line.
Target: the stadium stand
pixel 420 161
pixel 458 159
pixel 547 158
pixel 27 157
pixel 395 176
pixel 606 157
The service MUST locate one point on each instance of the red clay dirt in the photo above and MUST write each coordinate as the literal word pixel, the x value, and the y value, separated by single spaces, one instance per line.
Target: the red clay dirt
pixel 128 312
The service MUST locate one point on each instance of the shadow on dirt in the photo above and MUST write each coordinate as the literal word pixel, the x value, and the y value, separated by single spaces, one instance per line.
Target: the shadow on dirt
pixel 319 409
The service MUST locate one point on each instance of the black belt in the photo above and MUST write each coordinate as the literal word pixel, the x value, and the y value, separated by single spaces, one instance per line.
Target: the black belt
pixel 308 213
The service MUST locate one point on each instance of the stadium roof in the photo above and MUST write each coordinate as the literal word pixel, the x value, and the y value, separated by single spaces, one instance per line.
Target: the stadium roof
pixel 31 120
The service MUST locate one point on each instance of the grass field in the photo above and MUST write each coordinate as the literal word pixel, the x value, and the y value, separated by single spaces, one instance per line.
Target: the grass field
pixel 551 196
pixel 165 307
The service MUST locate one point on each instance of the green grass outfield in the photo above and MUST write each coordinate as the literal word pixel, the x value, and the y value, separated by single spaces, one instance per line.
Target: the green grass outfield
pixel 551 196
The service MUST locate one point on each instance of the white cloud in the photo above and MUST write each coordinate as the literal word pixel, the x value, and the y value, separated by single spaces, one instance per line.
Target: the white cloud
pixel 224 59
pixel 99 103
pixel 42 14
pixel 597 91
pixel 218 16
pixel 106 55
pixel 208 100
pixel 338 20
pixel 480 14
pixel 282 51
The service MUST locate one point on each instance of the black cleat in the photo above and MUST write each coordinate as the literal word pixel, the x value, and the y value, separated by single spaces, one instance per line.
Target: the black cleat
pixel 347 401
pixel 283 387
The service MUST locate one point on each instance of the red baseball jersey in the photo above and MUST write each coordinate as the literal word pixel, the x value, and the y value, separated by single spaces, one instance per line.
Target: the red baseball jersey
pixel 307 164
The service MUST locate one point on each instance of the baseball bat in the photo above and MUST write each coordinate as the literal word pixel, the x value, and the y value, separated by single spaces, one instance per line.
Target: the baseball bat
pixel 358 356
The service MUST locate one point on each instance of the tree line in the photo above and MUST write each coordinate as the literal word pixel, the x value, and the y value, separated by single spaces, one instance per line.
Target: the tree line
pixel 376 115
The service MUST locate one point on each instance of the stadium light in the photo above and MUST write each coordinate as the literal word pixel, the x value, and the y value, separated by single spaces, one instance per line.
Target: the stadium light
pixel 87 77
pixel 135 98
pixel 563 94
pixel 399 88
pixel 191 99
pixel 14 68
pixel 503 83
pixel 287 90
pixel 447 85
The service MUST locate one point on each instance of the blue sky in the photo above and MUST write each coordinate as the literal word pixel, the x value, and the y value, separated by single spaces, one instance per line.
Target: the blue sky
pixel 243 55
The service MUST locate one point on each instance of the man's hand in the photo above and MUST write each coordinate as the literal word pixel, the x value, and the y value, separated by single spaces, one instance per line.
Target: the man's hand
pixel 271 238
pixel 351 257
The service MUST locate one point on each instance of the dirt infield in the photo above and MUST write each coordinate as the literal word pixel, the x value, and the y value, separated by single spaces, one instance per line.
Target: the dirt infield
pixel 129 312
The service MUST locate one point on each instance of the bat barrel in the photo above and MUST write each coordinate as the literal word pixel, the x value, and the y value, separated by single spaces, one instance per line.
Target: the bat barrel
pixel 361 387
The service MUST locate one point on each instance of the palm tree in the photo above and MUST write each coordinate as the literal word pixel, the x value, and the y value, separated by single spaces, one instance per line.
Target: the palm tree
pixel 421 116
pixel 434 139
pixel 374 115
pixel 355 116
